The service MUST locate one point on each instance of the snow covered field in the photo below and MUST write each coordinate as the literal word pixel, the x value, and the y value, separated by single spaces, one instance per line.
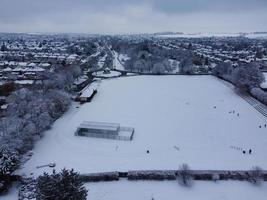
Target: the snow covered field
pixel 201 35
pixel 179 119
pixel 169 190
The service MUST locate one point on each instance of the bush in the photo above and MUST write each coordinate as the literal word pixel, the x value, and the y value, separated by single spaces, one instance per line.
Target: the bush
pixel 65 185
pixel 95 177
pixel 184 175
pixel 152 175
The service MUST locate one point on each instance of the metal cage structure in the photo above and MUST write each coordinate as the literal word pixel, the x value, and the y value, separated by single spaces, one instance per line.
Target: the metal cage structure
pixel 105 130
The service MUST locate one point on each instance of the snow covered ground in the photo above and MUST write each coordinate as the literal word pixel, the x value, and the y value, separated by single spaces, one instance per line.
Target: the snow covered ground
pixel 170 190
pixel 179 119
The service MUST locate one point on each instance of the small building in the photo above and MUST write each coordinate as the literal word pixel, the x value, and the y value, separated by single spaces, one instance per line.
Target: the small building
pixel 88 97
pixel 88 93
pixel 105 130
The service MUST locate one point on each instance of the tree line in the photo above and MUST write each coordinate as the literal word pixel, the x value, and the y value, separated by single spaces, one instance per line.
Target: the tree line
pixel 30 112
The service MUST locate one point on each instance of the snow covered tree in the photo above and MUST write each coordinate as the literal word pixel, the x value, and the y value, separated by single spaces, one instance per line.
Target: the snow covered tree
pixel 222 69
pixel 18 102
pixel 139 65
pixel 3 47
pixel 259 94
pixel 59 102
pixel 186 66
pixel 158 68
pixel 75 70
pixel 9 160
pixel 247 77
pixel 65 185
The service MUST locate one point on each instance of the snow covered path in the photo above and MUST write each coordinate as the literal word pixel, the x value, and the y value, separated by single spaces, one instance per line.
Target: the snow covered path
pixel 116 62
pixel 179 119
pixel 255 103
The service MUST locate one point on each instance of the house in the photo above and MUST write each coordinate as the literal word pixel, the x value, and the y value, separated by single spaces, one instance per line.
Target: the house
pixel 105 130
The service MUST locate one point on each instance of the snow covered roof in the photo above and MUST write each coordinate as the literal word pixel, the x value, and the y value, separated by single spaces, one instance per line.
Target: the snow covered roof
pixel 23 69
pixel 100 126
pixel 32 65
pixel 80 80
pixel 24 82
pixel 45 64
pixel 88 91
pixel 22 64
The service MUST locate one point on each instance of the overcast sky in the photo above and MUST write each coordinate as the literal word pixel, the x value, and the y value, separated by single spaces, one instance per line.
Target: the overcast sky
pixel 132 16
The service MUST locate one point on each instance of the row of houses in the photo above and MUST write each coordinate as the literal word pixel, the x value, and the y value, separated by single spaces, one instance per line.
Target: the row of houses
pixel 50 57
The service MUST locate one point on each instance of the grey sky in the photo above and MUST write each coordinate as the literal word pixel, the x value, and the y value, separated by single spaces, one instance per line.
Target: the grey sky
pixel 132 16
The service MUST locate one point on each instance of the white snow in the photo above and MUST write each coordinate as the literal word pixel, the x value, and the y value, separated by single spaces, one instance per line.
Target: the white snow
pixel 170 190
pixel 166 112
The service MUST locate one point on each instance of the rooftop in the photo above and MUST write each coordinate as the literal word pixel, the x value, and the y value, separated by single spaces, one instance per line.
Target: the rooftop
pixel 100 125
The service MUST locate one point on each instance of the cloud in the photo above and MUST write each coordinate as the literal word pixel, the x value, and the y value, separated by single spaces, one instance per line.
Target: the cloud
pixel 132 16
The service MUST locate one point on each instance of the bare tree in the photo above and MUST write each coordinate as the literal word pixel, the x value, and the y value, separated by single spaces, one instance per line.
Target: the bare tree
pixel 184 175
